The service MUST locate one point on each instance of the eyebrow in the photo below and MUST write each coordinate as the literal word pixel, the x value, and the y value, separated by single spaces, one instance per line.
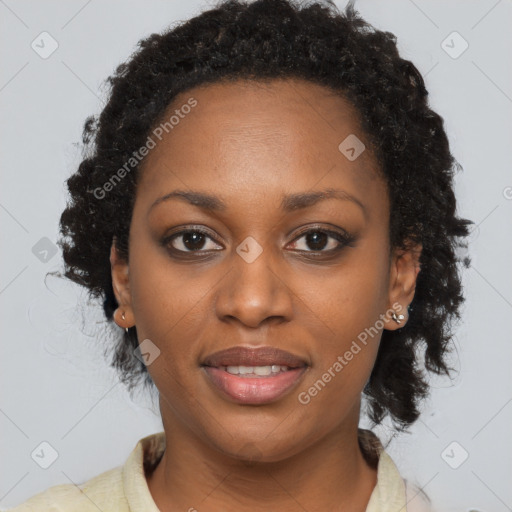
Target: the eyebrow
pixel 289 202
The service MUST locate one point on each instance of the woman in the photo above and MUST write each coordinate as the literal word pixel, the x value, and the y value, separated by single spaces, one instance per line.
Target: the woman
pixel 267 210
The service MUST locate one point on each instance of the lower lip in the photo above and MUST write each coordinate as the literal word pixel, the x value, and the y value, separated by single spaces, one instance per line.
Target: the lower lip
pixel 254 390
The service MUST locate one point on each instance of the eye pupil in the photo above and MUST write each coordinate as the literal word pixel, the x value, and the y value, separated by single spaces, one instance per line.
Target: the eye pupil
pixel 316 238
pixel 193 240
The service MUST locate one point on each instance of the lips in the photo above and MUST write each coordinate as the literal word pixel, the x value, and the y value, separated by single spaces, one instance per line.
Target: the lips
pixel 257 390
pixel 254 386
pixel 261 356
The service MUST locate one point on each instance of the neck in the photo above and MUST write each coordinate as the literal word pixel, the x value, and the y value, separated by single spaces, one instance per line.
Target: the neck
pixel 331 474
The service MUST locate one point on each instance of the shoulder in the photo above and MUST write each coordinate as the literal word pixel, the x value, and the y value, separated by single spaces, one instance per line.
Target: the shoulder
pixel 417 500
pixel 121 489
pixel 102 492
pixel 392 492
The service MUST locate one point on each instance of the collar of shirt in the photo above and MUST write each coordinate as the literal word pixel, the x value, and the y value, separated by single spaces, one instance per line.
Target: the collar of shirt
pixel 389 494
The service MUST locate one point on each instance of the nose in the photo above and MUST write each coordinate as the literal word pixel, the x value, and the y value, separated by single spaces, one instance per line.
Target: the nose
pixel 253 292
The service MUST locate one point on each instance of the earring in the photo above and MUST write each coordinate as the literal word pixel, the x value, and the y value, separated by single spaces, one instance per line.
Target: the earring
pixel 126 328
pixel 398 319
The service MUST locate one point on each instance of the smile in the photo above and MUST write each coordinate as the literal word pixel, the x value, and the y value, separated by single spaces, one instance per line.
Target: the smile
pixel 254 384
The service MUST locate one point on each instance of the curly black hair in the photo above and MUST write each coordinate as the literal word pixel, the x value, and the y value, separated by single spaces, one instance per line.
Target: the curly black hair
pixel 265 40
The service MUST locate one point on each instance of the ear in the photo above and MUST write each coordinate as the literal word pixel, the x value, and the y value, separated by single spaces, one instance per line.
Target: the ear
pixel 121 285
pixel 404 270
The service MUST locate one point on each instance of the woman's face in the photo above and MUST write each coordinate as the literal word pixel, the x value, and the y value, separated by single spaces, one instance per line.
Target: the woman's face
pixel 266 260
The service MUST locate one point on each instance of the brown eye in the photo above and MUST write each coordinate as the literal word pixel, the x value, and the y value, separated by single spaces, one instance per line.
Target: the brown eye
pixel 191 241
pixel 318 240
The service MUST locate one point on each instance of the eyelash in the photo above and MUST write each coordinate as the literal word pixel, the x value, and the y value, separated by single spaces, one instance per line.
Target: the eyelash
pixel 344 239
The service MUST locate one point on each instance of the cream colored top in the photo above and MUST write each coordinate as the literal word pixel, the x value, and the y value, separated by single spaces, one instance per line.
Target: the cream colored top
pixel 125 489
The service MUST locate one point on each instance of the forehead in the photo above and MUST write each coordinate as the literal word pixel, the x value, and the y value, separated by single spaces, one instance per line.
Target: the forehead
pixel 257 137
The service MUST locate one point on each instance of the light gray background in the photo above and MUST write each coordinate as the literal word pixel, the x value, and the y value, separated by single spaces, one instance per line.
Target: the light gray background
pixel 56 385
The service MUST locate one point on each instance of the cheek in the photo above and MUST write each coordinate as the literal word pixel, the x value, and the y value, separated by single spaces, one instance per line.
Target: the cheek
pixel 169 305
pixel 347 298
pixel 344 309
pixel 344 353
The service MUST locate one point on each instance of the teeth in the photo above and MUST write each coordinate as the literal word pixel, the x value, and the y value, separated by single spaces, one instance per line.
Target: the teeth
pixel 255 370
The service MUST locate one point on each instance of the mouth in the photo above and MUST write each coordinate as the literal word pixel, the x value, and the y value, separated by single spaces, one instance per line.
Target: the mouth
pixel 254 376
pixel 252 387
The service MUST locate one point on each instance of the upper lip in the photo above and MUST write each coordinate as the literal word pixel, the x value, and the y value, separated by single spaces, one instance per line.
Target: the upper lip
pixel 262 356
